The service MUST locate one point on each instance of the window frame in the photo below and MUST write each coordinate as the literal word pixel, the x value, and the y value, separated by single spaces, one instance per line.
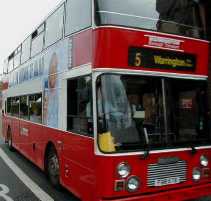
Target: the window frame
pixel 27 102
pixel 81 29
pixel 28 39
pixel 79 132
pixel 38 32
pixel 63 26
pixel 17 115
pixel 18 52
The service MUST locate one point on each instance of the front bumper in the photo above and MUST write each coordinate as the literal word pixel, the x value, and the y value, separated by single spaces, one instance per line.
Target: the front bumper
pixel 173 195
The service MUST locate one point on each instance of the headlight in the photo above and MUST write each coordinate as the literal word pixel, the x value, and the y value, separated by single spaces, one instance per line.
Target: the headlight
pixel 196 174
pixel 133 184
pixel 204 161
pixel 123 170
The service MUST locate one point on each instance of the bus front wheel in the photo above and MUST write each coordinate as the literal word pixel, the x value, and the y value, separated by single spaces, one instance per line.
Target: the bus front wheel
pixel 53 168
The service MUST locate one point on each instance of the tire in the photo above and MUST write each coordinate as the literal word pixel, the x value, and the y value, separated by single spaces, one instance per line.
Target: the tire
pixel 9 140
pixel 53 168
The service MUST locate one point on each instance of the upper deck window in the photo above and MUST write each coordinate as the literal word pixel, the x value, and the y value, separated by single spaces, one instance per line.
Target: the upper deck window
pixel 26 45
pixel 11 64
pixel 37 40
pixel 181 17
pixel 54 26
pixel 5 67
pixel 78 15
pixel 17 57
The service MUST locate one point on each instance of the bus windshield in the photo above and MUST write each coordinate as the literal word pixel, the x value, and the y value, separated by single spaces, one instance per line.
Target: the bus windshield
pixel 135 112
pixel 181 17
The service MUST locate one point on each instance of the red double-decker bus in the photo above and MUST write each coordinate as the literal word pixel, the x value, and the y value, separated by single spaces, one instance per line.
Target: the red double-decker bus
pixel 109 98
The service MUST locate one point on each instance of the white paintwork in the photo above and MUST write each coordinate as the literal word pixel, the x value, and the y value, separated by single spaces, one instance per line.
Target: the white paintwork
pixel 28 87
pixel 63 106
pixel 4 190
pixel 151 73
pixel 78 71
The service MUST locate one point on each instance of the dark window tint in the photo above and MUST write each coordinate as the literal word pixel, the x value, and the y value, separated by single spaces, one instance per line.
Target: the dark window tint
pixel 78 15
pixel 11 64
pixel 15 103
pixel 9 105
pixel 24 113
pixel 17 59
pixel 182 17
pixel 35 108
pixel 5 66
pixel 80 106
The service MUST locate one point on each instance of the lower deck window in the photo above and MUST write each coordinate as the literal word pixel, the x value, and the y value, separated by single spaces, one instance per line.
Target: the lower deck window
pixel 79 106
pixel 35 108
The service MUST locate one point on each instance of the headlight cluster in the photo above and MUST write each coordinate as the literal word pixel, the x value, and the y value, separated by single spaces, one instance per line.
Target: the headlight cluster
pixel 197 172
pixel 123 170
pixel 133 184
pixel 204 161
pixel 130 183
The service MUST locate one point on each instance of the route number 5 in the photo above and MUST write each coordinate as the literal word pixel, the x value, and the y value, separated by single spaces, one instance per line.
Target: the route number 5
pixel 138 59
pixel 4 190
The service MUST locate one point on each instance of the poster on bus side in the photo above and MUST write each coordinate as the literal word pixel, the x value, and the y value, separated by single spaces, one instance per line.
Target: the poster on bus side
pixel 56 63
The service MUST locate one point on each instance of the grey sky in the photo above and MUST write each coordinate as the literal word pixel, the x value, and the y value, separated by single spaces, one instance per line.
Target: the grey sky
pixel 18 18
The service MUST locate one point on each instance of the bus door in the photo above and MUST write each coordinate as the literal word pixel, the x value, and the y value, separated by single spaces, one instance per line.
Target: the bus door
pixel 78 150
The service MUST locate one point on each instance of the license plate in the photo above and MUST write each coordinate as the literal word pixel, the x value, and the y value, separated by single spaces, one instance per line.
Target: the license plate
pixel 167 181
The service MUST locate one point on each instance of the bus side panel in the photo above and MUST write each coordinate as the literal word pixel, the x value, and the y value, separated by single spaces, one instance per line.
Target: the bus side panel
pixel 38 144
pixel 15 129
pixel 78 166
pixel 25 141
pixel 31 138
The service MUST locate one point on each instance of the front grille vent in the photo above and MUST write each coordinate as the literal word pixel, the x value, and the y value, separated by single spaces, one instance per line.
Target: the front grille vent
pixel 167 174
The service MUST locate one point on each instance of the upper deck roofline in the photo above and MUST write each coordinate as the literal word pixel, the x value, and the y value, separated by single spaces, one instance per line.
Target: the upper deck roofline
pixel 44 19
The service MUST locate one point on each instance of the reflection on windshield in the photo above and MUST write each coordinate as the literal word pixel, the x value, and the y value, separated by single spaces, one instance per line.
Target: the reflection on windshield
pixel 182 17
pixel 135 112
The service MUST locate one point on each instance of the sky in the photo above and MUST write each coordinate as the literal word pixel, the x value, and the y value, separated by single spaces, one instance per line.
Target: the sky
pixel 18 19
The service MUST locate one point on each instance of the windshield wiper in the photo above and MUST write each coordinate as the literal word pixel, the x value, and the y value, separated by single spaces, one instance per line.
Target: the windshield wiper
pixel 147 148
pixel 193 149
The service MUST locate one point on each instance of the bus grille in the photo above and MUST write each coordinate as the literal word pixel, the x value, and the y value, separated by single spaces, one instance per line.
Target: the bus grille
pixel 166 174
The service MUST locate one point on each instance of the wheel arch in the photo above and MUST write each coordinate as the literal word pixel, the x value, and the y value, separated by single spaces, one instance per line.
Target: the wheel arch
pixel 48 147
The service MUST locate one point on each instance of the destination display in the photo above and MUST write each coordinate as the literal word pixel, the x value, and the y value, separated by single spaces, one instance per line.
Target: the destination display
pixel 152 58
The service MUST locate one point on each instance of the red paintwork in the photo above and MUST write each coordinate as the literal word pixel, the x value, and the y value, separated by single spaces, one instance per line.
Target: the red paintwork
pixel 92 177
pixel 139 168
pixel 110 49
pixel 82 45
pixel 175 195
pixel 76 153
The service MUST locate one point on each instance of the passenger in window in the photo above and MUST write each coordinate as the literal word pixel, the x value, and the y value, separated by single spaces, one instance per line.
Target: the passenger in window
pixel 136 106
pixel 149 107
pixel 51 95
pixel 35 115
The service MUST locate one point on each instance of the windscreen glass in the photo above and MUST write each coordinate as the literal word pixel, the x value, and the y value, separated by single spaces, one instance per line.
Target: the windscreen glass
pixel 181 17
pixel 138 113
